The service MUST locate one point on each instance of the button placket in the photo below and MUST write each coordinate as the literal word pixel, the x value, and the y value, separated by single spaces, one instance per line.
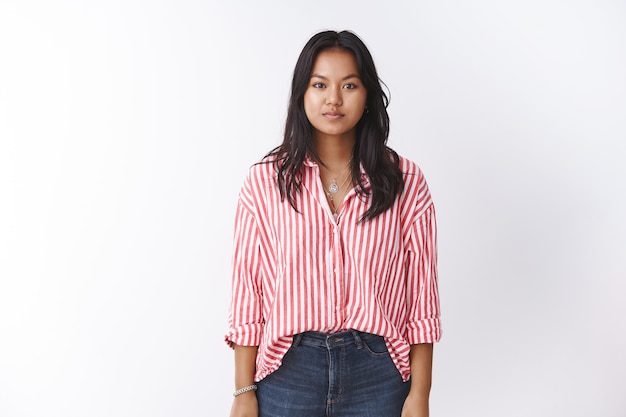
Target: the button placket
pixel 338 277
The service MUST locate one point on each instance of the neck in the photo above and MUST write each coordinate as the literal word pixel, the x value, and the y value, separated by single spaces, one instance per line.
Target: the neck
pixel 335 152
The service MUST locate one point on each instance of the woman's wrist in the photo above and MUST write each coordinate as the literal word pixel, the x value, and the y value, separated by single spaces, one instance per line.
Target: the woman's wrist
pixel 243 390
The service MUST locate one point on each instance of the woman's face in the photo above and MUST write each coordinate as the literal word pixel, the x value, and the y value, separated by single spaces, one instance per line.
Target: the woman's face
pixel 335 98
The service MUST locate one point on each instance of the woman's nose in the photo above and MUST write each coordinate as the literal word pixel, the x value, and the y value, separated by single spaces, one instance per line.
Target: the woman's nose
pixel 333 97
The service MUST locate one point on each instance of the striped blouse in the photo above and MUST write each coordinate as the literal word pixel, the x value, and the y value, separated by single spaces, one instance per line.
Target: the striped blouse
pixel 296 272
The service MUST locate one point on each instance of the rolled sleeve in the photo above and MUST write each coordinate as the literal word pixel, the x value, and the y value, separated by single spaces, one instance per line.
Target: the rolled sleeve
pixel 245 319
pixel 423 320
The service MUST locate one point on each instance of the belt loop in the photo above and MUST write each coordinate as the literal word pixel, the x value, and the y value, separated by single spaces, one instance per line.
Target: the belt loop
pixel 296 340
pixel 357 339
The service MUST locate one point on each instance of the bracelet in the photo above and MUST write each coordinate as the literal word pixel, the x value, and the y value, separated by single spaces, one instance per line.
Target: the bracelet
pixel 244 389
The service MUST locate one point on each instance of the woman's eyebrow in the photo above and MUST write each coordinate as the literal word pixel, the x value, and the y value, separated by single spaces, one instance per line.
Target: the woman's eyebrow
pixel 343 79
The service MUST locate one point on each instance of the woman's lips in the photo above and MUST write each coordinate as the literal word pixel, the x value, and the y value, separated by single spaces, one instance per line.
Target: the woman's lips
pixel 333 115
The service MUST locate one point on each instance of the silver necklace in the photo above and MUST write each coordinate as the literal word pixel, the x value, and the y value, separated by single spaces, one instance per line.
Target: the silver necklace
pixel 330 194
pixel 333 188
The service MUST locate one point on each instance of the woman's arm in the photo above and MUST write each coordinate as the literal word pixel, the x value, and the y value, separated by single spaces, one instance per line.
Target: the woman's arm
pixel 245 405
pixel 416 403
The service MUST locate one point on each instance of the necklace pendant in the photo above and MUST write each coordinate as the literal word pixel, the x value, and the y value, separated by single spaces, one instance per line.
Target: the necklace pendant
pixel 333 188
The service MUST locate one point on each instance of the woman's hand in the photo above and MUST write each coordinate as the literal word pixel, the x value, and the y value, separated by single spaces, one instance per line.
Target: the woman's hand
pixel 416 403
pixel 415 406
pixel 245 405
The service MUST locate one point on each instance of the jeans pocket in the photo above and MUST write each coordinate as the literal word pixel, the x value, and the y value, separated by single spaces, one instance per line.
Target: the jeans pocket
pixel 374 345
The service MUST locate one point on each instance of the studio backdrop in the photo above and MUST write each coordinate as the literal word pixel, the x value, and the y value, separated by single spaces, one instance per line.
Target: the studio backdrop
pixel 127 127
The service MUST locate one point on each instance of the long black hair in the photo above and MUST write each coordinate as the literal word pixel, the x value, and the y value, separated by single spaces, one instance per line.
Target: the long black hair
pixel 380 162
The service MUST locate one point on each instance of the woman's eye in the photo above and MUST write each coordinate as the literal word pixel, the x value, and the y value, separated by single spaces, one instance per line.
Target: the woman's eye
pixel 318 85
pixel 349 86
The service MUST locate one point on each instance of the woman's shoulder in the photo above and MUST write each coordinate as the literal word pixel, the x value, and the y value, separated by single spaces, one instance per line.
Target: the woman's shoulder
pixel 409 168
pixel 416 192
pixel 264 168
pixel 261 175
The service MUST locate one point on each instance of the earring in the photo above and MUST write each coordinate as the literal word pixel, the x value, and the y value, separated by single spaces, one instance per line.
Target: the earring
pixel 367 110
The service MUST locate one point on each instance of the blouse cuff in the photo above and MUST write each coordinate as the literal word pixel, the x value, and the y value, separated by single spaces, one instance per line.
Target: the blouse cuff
pixel 424 331
pixel 245 335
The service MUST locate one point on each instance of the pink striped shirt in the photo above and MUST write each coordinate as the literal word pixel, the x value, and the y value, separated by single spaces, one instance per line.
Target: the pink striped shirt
pixel 296 272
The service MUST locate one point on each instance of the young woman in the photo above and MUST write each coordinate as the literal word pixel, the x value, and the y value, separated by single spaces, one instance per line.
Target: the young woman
pixel 334 294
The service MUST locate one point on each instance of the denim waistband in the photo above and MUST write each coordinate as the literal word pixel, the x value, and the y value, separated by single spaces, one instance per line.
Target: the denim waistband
pixel 329 340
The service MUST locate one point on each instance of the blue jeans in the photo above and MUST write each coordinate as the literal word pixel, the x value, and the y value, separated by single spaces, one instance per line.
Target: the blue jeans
pixel 347 374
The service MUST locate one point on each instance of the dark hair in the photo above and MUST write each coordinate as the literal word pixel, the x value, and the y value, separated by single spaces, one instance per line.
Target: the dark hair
pixel 380 162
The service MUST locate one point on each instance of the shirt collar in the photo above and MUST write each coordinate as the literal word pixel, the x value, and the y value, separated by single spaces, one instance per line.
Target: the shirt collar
pixel 310 163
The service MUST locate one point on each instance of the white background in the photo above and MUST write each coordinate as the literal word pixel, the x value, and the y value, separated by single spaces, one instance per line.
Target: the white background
pixel 126 128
